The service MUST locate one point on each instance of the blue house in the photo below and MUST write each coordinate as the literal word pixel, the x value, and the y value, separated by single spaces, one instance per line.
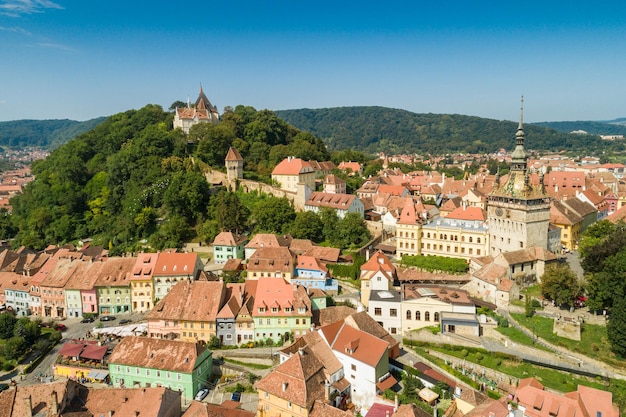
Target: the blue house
pixel 311 273
pixel 228 245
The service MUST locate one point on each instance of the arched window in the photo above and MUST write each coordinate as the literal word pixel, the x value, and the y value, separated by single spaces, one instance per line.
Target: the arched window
pixel 477 240
pixel 408 314
pixel 428 235
pixel 470 239
pixel 436 316
pixel 427 316
pixel 417 315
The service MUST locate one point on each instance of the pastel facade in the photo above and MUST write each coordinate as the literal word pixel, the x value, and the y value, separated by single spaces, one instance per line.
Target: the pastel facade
pixel 141 282
pixel 292 171
pixel 377 274
pixel 228 245
pixel 280 310
pixel 424 306
pixel 113 286
pixel 311 273
pixel 188 312
pixel 171 268
pixel 148 362
pixel 271 262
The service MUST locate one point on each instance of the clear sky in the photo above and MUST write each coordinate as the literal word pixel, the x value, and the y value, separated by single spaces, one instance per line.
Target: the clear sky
pixel 81 59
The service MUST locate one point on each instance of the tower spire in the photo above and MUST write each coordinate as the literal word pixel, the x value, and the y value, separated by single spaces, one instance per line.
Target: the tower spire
pixel 521 114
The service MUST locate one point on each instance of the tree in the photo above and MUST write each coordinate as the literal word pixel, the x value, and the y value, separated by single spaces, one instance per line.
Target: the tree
pixel 352 231
pixel 29 330
pixel 330 222
pixel 229 212
pixel 308 225
pixel 560 284
pixel 7 325
pixel 177 104
pixel 274 215
pixel 14 347
pixel 616 327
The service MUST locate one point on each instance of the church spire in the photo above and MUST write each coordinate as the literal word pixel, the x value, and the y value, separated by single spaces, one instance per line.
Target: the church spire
pixel 518 157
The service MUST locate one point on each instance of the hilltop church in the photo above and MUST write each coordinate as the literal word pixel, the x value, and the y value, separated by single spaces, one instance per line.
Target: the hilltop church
pixel 201 112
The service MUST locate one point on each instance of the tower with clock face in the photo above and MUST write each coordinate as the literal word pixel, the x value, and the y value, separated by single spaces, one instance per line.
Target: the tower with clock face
pixel 518 211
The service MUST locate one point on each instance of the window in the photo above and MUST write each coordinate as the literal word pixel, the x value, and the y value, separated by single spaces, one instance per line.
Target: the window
pixel 353 367
pixel 393 312
pixel 436 316
pixel 427 316
pixel 417 315
pixel 408 314
pixel 378 311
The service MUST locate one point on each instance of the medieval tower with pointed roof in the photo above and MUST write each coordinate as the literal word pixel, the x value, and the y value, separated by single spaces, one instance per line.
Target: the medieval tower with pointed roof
pixel 518 211
pixel 202 112
pixel 234 165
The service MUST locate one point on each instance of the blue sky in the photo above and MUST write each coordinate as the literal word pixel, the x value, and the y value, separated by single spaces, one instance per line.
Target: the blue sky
pixel 81 59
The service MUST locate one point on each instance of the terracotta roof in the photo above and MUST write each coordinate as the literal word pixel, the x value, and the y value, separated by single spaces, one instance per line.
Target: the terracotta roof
pixel 396 190
pixel 60 274
pixel 364 322
pixel 192 301
pixel 562 214
pixel 170 264
pixel 353 166
pixel 411 410
pixel 333 179
pixel 323 253
pixel 300 245
pixel 277 291
pixel 332 314
pixel 115 272
pixel 355 343
pixel 233 264
pixel 229 239
pixel 41 396
pixel 379 262
pixel 467 213
pixel 261 240
pixel 618 215
pixel 336 201
pixel 233 155
pixel 309 262
pixel 492 273
pixel 380 410
pixel 583 208
pixel 201 409
pixel 321 409
pixel 300 380
pixel 273 259
pixel 147 352
pixel 144 266
pixel 444 294
pixel 292 166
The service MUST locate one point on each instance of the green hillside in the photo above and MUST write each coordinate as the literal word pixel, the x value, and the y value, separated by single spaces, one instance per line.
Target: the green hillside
pixel 43 133
pixel 593 128
pixel 375 129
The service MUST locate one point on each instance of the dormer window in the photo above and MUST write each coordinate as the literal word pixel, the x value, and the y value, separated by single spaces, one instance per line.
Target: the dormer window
pixel 174 267
pixel 274 309
pixel 261 309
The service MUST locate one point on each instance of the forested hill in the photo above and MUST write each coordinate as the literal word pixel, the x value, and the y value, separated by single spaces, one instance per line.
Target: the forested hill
pixel 43 133
pixel 134 179
pixel 593 128
pixel 375 129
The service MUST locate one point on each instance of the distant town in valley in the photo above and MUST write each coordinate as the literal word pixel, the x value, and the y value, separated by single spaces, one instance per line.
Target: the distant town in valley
pixel 187 263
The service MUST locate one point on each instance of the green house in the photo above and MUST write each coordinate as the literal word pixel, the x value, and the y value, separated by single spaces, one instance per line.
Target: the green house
pixel 147 362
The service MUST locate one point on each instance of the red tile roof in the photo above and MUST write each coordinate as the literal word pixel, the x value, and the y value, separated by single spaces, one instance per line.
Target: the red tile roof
pixel 292 166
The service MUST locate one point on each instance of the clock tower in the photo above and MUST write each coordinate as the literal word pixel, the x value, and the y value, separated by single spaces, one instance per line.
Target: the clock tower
pixel 518 211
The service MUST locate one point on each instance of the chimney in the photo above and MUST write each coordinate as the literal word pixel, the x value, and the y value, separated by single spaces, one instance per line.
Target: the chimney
pixel 327 392
pixel 367 254
pixel 136 413
pixel 110 413
pixel 285 385
pixel 29 407
pixel 395 403
pixel 54 404
pixel 387 413
pixel 301 351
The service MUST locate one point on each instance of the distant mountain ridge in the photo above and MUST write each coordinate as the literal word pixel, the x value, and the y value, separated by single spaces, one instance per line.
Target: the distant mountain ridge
pixel 43 133
pixel 374 129
pixel 609 127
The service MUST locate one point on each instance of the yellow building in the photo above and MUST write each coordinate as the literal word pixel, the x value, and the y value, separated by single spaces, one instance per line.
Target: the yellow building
pixel 568 221
pixel 188 312
pixel 141 285
pixel 292 388
pixel 292 171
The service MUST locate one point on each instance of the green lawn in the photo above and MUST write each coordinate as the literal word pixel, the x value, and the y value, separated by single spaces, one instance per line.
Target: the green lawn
pixel 519 337
pixel 510 365
pixel 594 342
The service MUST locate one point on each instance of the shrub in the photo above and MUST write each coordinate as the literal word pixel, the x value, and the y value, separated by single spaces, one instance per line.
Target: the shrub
pixel 479 357
pixel 464 353
pixel 7 366
pixel 536 303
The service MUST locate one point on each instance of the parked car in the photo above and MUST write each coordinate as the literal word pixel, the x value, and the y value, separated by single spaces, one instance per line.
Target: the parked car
pixel 60 327
pixel 202 394
pixel 236 396
pixel 108 318
pixel 125 321
pixel 87 320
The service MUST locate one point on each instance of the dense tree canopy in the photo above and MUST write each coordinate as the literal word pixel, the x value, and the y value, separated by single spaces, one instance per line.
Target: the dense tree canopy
pixel 134 180
pixel 560 284
pixel 394 131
